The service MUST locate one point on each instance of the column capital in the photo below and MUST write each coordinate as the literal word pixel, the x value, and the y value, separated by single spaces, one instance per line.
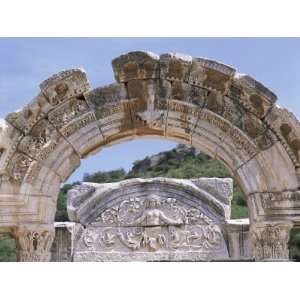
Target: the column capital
pixel 34 241
pixel 270 240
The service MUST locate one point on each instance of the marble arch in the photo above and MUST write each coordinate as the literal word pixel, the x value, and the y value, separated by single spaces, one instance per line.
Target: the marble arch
pixel 200 102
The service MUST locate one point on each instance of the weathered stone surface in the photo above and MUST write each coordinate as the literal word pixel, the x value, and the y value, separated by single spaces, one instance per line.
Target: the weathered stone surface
pixel 34 242
pixel 106 95
pixel 65 85
pixel 255 96
pixel 174 66
pixel 136 65
pixel 63 244
pixel 195 101
pixel 239 239
pixel 27 117
pixel 270 241
pixel 140 219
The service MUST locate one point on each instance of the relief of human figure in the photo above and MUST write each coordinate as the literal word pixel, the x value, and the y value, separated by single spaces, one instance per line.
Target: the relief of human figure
pixel 151 219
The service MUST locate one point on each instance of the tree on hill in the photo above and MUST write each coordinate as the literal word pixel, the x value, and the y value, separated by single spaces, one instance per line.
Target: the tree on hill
pixel 180 162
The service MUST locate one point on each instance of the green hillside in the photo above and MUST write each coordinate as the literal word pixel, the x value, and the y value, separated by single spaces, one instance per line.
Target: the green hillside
pixel 180 162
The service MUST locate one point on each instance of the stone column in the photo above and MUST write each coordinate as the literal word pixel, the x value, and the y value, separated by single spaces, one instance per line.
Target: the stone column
pixel 33 242
pixel 270 241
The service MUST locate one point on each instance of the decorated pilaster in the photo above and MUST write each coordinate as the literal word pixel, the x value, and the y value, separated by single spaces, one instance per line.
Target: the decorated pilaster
pixel 33 242
pixel 270 241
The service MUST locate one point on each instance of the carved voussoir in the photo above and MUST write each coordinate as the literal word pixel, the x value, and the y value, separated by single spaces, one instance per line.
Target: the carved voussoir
pixel 67 112
pixel 174 66
pixel 18 166
pixel 26 118
pixel 287 128
pixel 9 139
pixel 65 85
pixel 41 137
pixel 211 74
pixel 255 96
pixel 106 95
pixel 136 65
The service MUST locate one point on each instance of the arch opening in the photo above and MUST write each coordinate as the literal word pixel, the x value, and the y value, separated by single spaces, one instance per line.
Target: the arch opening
pixel 168 160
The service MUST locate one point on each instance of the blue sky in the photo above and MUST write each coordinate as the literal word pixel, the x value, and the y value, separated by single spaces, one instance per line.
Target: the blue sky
pixel 25 62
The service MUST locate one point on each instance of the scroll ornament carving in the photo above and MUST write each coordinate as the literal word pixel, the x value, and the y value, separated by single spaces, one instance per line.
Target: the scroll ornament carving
pixel 18 167
pixel 34 243
pixel 67 112
pixel 271 242
pixel 151 225
pixel 134 212
pixel 38 138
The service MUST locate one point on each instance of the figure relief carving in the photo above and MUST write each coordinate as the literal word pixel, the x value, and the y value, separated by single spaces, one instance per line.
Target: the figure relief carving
pixel 151 225
pixel 151 219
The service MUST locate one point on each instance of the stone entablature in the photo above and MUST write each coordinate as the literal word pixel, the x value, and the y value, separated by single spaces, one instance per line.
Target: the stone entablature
pixel 151 219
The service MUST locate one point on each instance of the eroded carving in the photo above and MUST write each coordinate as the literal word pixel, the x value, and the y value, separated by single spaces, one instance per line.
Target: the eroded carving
pixel 270 241
pixel 65 85
pixel 136 65
pixel 174 66
pixel 34 242
pixel 18 167
pixel 150 225
pixel 68 111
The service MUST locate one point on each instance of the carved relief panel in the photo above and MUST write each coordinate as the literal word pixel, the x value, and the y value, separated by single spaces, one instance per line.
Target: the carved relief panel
pixel 151 228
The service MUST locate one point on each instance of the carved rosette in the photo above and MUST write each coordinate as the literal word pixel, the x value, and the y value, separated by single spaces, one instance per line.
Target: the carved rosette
pixel 34 242
pixel 270 241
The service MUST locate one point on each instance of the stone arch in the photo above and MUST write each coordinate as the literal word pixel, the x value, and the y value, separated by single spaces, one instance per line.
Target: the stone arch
pixel 200 102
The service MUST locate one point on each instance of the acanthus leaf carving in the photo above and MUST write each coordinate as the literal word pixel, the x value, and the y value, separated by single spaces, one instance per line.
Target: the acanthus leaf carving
pixel 270 241
pixel 34 242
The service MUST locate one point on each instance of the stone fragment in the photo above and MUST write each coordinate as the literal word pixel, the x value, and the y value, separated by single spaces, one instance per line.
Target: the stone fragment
pixel 65 85
pixel 136 65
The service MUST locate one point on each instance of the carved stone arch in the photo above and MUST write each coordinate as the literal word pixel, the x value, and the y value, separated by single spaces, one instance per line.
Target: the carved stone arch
pixel 195 101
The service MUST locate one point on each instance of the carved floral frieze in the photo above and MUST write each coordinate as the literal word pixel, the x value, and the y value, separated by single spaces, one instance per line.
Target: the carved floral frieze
pixel 150 225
